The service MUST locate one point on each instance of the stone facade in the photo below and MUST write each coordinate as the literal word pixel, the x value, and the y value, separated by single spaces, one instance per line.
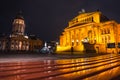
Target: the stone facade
pixel 17 40
pixel 92 32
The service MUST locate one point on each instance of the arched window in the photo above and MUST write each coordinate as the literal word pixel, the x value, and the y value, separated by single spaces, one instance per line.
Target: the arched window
pixel 105 31
pixel 101 31
pixel 105 39
pixel 20 45
pixel 108 31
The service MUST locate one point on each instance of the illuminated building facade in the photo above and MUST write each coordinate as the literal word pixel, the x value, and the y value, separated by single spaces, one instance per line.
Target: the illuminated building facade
pixel 91 32
pixel 18 41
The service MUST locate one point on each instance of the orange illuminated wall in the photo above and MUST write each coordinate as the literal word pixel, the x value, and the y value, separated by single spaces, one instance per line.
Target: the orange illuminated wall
pixel 92 32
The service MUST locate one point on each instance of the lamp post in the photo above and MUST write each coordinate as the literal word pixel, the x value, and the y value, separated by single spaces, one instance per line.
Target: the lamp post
pixel 72 46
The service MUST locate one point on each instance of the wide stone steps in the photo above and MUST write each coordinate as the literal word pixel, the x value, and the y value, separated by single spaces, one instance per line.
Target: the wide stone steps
pixel 68 69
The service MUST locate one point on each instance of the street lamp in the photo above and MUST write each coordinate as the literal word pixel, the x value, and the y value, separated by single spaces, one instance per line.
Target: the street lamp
pixel 72 46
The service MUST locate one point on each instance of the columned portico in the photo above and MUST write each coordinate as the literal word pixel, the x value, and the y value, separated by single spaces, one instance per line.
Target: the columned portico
pixel 91 32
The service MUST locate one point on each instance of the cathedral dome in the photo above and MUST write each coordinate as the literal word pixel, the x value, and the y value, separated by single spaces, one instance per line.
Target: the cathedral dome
pixel 18 25
pixel 19 15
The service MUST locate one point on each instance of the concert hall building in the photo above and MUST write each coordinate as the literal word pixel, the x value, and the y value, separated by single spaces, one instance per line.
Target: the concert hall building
pixel 91 32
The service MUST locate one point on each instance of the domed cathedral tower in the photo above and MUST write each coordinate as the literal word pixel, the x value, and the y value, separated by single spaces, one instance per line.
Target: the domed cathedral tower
pixel 18 25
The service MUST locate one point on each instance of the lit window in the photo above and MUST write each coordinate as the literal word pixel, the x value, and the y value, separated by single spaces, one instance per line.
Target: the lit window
pixel 20 45
pixel 101 31
pixel 105 39
pixel 16 21
pixel 108 31
pixel 20 22
pixel 104 31
pixel 102 40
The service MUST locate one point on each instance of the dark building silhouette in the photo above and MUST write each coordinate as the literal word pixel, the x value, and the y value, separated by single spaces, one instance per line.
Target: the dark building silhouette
pixel 17 40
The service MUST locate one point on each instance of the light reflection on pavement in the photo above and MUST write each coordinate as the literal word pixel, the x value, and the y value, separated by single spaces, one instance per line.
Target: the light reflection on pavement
pixel 103 67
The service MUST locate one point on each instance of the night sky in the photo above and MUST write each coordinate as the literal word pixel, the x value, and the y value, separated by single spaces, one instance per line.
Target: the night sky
pixel 48 18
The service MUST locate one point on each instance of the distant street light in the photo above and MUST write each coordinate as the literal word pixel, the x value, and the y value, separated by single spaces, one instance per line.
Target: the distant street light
pixel 72 46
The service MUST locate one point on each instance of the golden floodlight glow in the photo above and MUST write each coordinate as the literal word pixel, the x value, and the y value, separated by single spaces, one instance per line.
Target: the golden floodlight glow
pixel 91 32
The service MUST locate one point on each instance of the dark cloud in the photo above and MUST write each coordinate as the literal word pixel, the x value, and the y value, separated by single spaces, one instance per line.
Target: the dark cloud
pixel 48 18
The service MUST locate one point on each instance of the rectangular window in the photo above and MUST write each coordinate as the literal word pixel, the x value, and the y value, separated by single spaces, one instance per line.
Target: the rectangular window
pixel 110 45
pixel 118 45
